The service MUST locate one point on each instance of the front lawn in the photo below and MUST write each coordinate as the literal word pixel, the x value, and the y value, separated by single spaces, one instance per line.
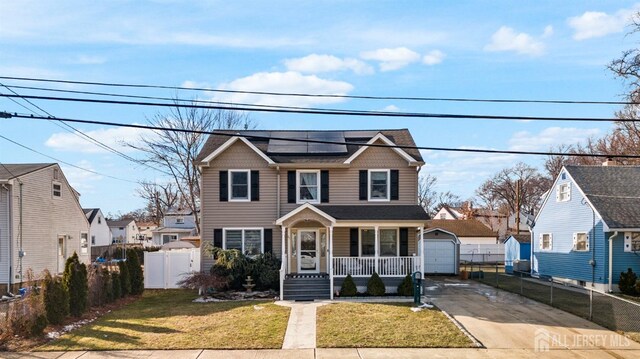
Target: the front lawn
pixel 168 319
pixel 392 325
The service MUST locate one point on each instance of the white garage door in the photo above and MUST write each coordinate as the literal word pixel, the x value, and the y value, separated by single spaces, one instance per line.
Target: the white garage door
pixel 439 257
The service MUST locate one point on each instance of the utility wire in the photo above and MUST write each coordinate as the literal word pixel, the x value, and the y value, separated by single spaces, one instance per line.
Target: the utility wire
pixel 297 94
pixel 253 135
pixel 328 112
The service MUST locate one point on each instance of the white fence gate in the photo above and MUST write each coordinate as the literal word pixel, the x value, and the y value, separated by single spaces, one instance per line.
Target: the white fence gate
pixel 482 253
pixel 164 269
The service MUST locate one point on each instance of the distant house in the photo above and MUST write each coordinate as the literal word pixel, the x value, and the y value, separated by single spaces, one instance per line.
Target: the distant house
pixel 176 225
pixel 450 213
pixel 146 230
pixel 41 221
pixel 124 231
pixel 517 247
pixel 99 233
pixel 588 229
pixel 468 231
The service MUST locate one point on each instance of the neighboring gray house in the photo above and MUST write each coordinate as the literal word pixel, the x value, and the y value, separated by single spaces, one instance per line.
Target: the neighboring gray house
pixel 328 210
pixel 41 221
pixel 99 233
pixel 176 225
pixel 124 231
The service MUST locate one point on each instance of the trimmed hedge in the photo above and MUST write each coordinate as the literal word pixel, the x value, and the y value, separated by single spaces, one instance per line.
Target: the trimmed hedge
pixel 406 286
pixel 74 280
pixel 56 298
pixel 375 286
pixel 135 272
pixel 348 288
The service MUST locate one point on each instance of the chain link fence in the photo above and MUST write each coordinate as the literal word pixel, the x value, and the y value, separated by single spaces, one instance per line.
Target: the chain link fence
pixel 608 310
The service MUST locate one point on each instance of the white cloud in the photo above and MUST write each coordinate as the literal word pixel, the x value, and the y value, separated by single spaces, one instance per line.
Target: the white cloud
pixel 433 57
pixel 290 81
pixel 548 31
pixel 551 136
pixel 88 60
pixel 81 181
pixel 593 24
pixel 113 137
pixel 315 63
pixel 506 39
pixel 392 59
pixel 391 108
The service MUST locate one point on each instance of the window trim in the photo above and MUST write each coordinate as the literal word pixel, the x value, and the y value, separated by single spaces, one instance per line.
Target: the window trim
pixel 318 185
pixel 230 185
pixel 169 234
pixel 369 184
pixel 86 249
pixel 542 242
pixel 360 241
pixel 179 220
pixel 397 229
pixel 243 229
pixel 568 192
pixel 575 244
pixel 53 191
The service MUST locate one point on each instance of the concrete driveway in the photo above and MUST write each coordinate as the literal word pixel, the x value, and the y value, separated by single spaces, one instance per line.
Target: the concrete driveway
pixel 502 320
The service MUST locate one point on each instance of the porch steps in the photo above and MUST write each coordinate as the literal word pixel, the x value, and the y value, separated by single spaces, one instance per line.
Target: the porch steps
pixel 306 288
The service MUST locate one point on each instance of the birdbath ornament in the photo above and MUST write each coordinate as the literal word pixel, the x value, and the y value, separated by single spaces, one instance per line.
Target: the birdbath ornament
pixel 249 284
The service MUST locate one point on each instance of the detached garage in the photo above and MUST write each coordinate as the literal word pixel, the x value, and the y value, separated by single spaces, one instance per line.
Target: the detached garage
pixel 441 252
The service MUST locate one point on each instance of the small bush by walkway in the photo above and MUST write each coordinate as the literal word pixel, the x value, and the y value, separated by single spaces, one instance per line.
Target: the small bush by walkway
pixel 168 319
pixel 372 325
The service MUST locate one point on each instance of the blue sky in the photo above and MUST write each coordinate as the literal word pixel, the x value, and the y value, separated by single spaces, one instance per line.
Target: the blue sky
pixel 475 49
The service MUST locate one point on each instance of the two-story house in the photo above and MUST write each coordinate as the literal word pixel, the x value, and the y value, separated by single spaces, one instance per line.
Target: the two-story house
pixel 124 231
pixel 99 233
pixel 176 224
pixel 41 222
pixel 327 210
pixel 588 229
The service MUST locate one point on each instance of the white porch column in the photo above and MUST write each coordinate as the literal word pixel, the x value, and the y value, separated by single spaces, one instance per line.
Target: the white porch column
pixel 421 248
pixel 377 249
pixel 330 256
pixel 284 259
pixel 288 240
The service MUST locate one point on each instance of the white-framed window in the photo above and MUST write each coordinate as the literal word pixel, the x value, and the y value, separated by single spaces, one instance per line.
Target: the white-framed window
pixel 379 185
pixel 93 240
pixel 389 242
pixel 367 242
pixel 99 220
pixel 56 189
pixel 249 241
pixel 84 242
pixel 56 175
pixel 308 186
pixel 564 192
pixel 166 238
pixel 443 216
pixel 632 241
pixel 581 241
pixel 180 220
pixel 239 185
pixel 546 241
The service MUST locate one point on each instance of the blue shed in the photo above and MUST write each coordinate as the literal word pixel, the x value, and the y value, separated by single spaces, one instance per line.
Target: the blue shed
pixel 517 247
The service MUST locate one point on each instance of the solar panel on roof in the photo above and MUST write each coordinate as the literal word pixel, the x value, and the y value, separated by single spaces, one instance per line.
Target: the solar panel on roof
pixel 335 136
pixel 279 145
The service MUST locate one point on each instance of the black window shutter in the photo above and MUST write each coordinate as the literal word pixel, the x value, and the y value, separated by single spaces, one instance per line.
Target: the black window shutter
pixel 255 185
pixel 324 186
pixel 268 240
pixel 291 186
pixel 217 237
pixel 395 184
pixel 353 242
pixel 363 184
pixel 404 242
pixel 224 186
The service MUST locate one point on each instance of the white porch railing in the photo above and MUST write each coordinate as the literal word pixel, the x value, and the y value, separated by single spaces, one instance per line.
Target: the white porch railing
pixel 365 266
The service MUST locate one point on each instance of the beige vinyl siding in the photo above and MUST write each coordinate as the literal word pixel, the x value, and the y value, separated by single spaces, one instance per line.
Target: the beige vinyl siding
pixel 44 219
pixel 216 214
pixel 344 182
pixel 4 234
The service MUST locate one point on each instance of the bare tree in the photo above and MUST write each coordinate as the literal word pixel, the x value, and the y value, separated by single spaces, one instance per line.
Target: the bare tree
pixel 426 192
pixel 175 152
pixel 160 198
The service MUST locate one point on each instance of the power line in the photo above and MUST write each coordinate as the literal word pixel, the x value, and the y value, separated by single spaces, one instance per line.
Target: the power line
pixel 297 94
pixel 64 162
pixel 231 133
pixel 328 112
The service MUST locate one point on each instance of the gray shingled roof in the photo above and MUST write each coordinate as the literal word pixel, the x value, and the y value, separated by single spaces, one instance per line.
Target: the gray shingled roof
pixel 90 213
pixel 400 137
pixel 122 223
pixel 375 212
pixel 614 191
pixel 9 171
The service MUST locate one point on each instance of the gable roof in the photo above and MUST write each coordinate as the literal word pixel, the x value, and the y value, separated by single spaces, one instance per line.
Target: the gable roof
pixel 353 138
pixel 12 170
pixel 462 227
pixel 91 213
pixel 121 223
pixel 614 192
pixel 520 238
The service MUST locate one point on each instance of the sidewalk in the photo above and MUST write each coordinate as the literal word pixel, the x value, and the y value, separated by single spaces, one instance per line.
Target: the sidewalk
pixel 370 353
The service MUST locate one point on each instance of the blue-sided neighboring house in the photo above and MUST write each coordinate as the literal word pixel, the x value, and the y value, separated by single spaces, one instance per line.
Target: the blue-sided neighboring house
pixel 588 229
pixel 517 250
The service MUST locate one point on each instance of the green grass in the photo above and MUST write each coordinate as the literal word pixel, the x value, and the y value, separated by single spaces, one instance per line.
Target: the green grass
pixel 392 325
pixel 170 320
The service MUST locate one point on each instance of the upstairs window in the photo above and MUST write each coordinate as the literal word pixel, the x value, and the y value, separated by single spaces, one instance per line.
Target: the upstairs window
pixel 379 185
pixel 56 174
pixel 564 192
pixel 443 216
pixel 57 190
pixel 308 186
pixel 99 220
pixel 179 220
pixel 239 185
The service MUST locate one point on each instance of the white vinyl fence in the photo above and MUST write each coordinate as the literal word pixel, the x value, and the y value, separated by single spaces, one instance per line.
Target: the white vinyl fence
pixel 481 253
pixel 164 269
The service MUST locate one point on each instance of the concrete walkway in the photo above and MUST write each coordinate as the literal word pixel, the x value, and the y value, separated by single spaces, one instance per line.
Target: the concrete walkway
pixel 371 353
pixel 301 329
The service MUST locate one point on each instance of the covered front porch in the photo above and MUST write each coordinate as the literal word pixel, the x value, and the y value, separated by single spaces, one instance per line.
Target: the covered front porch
pixel 323 244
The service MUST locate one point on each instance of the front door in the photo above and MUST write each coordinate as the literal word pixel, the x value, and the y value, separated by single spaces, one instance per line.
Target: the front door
pixel 62 254
pixel 308 253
